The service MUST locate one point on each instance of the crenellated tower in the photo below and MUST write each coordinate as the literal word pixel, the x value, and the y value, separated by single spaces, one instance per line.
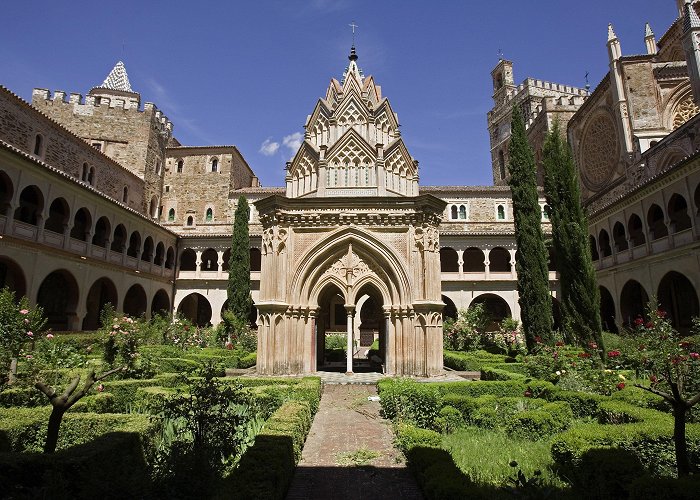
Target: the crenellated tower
pixel 352 144
pixel 111 119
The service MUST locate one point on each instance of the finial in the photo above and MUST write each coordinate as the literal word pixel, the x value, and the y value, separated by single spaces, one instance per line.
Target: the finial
pixel 588 85
pixel 353 54
pixel 648 31
pixel 611 33
pixel 500 54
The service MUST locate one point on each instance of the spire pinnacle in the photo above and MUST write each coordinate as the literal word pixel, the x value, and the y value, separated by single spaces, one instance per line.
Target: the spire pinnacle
pixel 691 17
pixel 353 54
pixel 117 79
pixel 647 30
pixel 611 33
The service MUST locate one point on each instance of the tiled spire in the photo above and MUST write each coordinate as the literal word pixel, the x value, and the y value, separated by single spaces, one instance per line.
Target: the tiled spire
pixel 117 79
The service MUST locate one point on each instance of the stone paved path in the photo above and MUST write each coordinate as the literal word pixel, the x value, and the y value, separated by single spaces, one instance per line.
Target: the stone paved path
pixel 347 428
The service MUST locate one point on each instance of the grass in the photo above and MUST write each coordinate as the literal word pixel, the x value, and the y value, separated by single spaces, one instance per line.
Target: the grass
pixel 358 458
pixel 485 455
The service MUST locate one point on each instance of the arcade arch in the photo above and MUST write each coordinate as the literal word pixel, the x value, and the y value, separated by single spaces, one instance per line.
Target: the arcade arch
pixel 102 292
pixel 196 308
pixel 135 301
pixel 58 296
pixel 678 297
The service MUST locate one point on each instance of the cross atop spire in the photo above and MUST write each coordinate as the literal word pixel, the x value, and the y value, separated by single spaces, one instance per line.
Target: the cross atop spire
pixel 117 79
pixel 353 26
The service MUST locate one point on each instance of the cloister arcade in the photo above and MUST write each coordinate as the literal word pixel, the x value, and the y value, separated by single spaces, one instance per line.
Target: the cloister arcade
pixel 644 249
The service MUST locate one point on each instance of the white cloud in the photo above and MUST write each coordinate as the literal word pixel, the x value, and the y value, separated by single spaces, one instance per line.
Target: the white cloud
pixel 269 147
pixel 293 141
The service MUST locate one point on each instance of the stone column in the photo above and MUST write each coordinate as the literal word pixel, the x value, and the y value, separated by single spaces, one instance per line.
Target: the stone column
pixel 198 264
pixel 351 312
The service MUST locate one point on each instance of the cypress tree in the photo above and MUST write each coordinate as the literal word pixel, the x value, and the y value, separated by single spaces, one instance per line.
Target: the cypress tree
pixel 531 258
pixel 580 297
pixel 239 299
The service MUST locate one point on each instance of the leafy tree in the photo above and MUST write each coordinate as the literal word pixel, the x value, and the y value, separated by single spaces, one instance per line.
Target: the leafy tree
pixel 19 324
pixel 61 403
pixel 531 259
pixel 239 300
pixel 580 298
pixel 673 365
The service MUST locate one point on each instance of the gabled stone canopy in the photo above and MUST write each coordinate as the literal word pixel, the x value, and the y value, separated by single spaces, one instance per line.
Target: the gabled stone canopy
pixel 352 144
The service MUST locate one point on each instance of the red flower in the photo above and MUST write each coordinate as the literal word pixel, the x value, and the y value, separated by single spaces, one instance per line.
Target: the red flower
pixel 684 345
pixel 653 379
pixel 538 339
pixel 593 345
pixel 229 345
pixel 620 386
pixel 528 393
pixel 661 313
pixel 584 355
pixel 649 324
pixel 694 355
pixel 639 321
pixel 613 354
pixel 559 343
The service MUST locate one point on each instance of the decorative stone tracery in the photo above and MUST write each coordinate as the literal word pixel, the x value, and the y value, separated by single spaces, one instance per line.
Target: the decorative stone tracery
pixel 684 112
pixel 599 151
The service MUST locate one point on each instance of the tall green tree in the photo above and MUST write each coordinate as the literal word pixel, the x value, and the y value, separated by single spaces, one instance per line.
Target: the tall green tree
pixel 531 258
pixel 239 300
pixel 580 298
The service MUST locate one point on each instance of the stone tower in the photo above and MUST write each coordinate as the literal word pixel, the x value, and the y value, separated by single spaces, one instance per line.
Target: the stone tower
pixel 111 119
pixel 541 102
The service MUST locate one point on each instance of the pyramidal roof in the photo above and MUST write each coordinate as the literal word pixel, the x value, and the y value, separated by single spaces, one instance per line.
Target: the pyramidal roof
pixel 117 79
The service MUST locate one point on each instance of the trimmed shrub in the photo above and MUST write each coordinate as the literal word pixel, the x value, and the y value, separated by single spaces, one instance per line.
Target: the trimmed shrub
pixel 102 402
pixel 409 436
pixel 640 397
pixel 471 361
pixel 80 471
pixel 619 412
pixel 266 469
pixel 651 441
pixel 408 401
pixel 249 360
pixel 490 373
pixel 508 388
pixel 607 473
pixel 22 396
pixel 540 423
pixel 448 420
pixel 583 404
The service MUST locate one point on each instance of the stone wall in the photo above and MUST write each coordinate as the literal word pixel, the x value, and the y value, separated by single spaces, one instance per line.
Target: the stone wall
pixel 64 151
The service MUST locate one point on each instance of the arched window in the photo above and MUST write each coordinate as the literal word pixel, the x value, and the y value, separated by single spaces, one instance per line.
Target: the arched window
pixel 190 220
pixel 125 195
pixel 655 221
pixel 636 230
pixel 214 164
pixel 678 213
pixel 594 247
pixel 210 215
pixel 453 212
pixel 604 243
pixel 462 212
pixel 91 176
pixel 157 169
pixel 180 166
pixel 619 237
pixel 501 212
pixel 171 214
pixel 84 174
pixel 38 144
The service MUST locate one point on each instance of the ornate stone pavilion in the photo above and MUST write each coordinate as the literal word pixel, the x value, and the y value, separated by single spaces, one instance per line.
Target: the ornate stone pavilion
pixel 352 243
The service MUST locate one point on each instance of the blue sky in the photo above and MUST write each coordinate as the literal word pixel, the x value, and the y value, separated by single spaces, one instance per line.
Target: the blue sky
pixel 248 73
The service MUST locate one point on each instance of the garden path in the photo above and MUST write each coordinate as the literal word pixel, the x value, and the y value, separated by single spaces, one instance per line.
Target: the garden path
pixel 349 454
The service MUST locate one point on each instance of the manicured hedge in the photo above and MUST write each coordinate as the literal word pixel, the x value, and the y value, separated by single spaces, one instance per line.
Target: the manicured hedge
pixel 266 469
pixel 492 373
pixel 110 466
pixel 24 429
pixel 102 402
pixel 540 423
pixel 434 468
pixel 22 396
pixel 471 361
pixel 664 488
pixel 651 441
pixel 583 404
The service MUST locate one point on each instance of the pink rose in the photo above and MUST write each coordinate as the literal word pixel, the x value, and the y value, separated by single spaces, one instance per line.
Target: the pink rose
pixel 100 388
pixel 30 334
pixel 24 311
pixel 49 336
pixel 29 356
pixel 694 355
